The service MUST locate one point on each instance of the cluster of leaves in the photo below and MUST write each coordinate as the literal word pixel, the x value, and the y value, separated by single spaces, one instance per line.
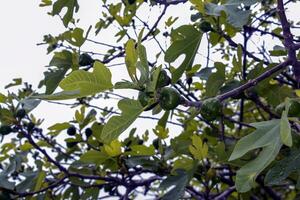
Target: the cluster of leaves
pixel 237 117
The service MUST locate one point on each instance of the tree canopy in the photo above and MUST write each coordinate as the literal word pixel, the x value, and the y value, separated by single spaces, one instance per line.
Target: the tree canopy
pixel 236 106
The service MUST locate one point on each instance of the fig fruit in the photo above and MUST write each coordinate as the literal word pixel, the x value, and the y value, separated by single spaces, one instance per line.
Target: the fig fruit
pixel 71 130
pixel 163 79
pixel 85 59
pixel 169 98
pixel 5 130
pixel 205 26
pixel 211 109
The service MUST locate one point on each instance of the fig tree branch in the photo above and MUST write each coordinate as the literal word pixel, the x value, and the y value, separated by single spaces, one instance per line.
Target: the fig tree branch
pixel 288 40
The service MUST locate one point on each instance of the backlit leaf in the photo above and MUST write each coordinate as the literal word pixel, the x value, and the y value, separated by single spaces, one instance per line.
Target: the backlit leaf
pixel 116 125
pixel 186 42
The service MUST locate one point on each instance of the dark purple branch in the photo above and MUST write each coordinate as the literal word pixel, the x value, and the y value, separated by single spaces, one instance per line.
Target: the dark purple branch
pixel 225 194
pixel 255 81
pixel 50 187
pixel 232 43
pixel 151 31
pixel 246 86
pixel 244 73
pixel 170 2
pixel 288 40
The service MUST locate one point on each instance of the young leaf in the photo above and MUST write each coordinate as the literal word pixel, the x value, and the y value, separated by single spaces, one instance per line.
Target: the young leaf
pixel 161 132
pixel 143 64
pixel 198 149
pixel 40 180
pixel 17 81
pixel 116 125
pixel 113 149
pixel 154 77
pixel 75 37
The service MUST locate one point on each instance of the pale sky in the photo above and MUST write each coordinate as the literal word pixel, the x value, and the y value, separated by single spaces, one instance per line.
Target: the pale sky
pixel 23 24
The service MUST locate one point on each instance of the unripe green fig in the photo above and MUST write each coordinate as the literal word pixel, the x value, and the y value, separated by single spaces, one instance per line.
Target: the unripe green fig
pixel 88 132
pixel 71 130
pixel 71 144
pixel 144 98
pixel 30 126
pixel 205 26
pixel 155 143
pixel 163 79
pixel 131 2
pixel 5 194
pixel 211 109
pixel 5 130
pixel 140 142
pixel 85 59
pixel 169 98
pixel 21 113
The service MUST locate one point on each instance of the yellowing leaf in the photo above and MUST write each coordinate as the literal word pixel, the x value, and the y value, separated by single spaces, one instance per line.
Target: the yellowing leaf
pixel 113 149
pixel 161 132
pixel 198 149
pixel 297 92
pixel 131 59
pixel 2 98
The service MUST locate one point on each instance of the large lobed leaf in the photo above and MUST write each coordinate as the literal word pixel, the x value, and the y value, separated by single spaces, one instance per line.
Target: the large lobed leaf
pixel 81 83
pixel 235 16
pixel 71 5
pixel 187 40
pixel 267 137
pixel 178 182
pixel 63 61
pixel 88 83
pixel 116 125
